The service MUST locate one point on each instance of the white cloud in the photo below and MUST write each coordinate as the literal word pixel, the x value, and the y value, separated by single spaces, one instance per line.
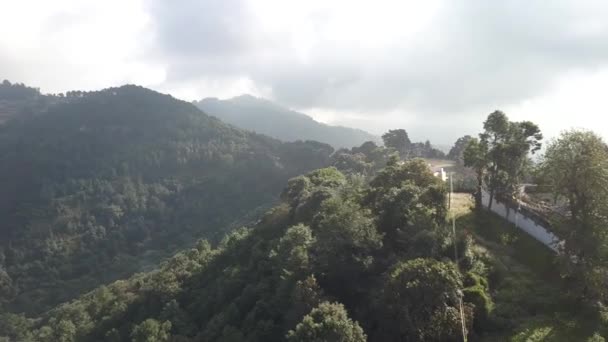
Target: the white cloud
pixel 72 44
pixel 436 68
pixel 576 100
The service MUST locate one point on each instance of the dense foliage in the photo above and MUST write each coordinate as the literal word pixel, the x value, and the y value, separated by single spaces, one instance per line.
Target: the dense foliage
pixel 365 160
pixel 19 100
pixel 102 184
pixel 500 157
pixel 457 151
pixel 269 118
pixel 575 169
pixel 398 140
pixel 338 260
pixel 17 91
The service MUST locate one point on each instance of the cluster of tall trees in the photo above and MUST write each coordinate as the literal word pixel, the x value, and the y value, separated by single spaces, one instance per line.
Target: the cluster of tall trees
pixel 574 170
pixel 500 156
pixel 398 140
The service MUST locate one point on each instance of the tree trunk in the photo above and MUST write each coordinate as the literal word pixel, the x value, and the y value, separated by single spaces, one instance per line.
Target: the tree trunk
pixel 478 193
pixel 492 186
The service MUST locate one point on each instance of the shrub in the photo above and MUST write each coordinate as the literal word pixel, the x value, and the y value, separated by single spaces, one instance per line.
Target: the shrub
pixel 596 338
pixel 478 296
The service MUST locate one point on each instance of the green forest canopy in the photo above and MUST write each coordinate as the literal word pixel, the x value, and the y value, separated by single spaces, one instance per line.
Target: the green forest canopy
pixel 102 184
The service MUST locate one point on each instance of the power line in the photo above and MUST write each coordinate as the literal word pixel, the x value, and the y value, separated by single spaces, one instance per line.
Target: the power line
pixel 460 295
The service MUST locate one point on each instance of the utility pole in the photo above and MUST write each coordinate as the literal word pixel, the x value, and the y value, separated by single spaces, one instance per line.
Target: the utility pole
pixel 455 242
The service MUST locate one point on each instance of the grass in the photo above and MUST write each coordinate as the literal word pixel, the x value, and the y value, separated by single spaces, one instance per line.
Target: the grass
pixel 529 304
pixel 461 204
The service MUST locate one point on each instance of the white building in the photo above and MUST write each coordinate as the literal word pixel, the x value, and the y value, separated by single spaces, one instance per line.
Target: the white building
pixel 440 173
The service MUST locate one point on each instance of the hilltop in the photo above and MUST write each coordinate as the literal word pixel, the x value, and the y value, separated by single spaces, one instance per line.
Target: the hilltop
pixel 265 117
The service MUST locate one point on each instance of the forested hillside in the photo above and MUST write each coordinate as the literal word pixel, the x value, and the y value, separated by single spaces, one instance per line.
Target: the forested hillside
pixel 268 118
pixel 104 185
pixel 98 185
pixel 338 260
pixel 19 99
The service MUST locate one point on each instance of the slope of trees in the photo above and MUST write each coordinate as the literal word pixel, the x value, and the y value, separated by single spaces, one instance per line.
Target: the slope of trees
pixel 103 184
pixel 336 261
pixel 17 100
pixel 17 91
pixel 398 140
pixel 265 117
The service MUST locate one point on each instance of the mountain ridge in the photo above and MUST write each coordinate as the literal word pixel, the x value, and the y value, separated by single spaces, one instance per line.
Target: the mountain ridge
pixel 99 183
pixel 269 118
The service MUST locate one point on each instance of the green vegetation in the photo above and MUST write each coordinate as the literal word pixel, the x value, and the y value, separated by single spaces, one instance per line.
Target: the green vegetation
pixel 365 160
pixel 327 322
pixel 526 299
pixel 332 240
pixel 339 260
pixel 457 151
pixel 17 91
pixel 398 140
pixel 500 157
pixel 103 184
pixel 18 100
pixel 575 169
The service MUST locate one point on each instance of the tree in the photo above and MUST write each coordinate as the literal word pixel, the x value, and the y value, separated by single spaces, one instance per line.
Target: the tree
pixel 65 331
pixel 329 322
pixel 398 140
pixel 524 138
pixel 506 145
pixel 475 156
pixel 408 201
pixel 369 157
pixel 292 249
pixel 151 330
pixel 306 295
pixel 346 241
pixel 575 167
pixel 420 296
pixel 351 163
pixel 457 151
pixel 496 130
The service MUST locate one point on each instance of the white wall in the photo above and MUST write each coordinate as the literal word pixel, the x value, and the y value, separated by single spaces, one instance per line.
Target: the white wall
pixel 524 223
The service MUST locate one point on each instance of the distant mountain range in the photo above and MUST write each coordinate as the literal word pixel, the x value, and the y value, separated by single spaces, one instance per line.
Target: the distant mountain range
pixel 266 117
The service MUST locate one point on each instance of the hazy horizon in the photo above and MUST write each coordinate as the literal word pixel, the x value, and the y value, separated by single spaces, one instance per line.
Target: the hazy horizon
pixel 436 69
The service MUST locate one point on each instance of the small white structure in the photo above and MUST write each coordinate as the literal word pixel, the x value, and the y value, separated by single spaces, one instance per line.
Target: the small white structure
pixel 441 174
pixel 523 222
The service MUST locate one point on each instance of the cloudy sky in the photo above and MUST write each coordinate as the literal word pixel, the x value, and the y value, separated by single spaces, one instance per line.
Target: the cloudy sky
pixel 434 67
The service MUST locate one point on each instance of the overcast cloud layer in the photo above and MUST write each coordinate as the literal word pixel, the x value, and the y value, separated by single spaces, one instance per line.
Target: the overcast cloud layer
pixel 436 68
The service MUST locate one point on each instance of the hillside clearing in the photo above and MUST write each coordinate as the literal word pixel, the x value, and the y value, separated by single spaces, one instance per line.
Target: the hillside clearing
pixel 529 301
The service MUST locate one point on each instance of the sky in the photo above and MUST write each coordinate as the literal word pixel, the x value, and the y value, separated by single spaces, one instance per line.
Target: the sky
pixel 436 67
